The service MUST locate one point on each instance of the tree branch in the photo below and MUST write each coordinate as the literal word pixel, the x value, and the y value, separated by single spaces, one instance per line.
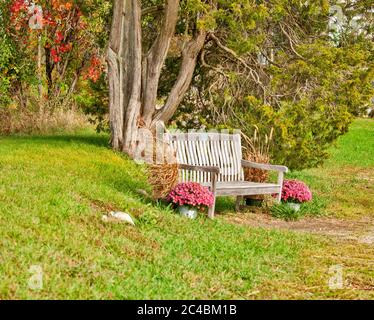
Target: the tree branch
pixel 152 10
pixel 291 43
pixel 231 52
pixel 206 65
pixel 189 60
pixel 156 58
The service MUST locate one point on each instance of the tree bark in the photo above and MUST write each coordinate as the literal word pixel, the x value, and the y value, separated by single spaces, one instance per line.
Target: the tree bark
pixel 124 65
pixel 156 58
pixel 189 60
pixel 48 70
pixel 134 79
pixel 115 75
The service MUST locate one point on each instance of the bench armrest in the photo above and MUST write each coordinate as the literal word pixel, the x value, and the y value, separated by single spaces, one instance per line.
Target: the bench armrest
pixel 212 169
pixel 264 166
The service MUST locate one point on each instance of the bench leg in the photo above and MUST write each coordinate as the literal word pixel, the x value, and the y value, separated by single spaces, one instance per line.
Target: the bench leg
pixel 211 209
pixel 279 197
pixel 213 189
pixel 280 183
pixel 239 201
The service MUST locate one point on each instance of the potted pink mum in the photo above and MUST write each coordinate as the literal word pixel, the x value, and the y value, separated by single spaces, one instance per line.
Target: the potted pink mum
pixel 190 197
pixel 295 192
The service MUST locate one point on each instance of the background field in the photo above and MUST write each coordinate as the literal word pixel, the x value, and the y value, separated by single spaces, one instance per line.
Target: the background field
pixel 55 189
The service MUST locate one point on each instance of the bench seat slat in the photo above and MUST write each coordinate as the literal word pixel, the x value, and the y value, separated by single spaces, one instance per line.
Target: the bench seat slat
pixel 244 188
pixel 241 184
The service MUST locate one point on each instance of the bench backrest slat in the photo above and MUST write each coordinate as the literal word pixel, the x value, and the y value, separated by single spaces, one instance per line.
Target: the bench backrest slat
pixel 208 149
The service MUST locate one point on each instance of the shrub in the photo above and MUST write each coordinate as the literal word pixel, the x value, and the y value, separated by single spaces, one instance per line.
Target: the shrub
pixel 283 211
pixel 191 194
pixel 93 100
pixel 313 208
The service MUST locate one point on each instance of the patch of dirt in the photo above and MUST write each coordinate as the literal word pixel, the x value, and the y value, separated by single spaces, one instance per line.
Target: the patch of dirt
pixel 360 230
pixel 99 205
pixel 105 207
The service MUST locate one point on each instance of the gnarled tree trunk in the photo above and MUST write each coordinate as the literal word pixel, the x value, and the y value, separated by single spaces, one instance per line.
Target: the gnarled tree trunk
pixel 134 75
pixel 124 66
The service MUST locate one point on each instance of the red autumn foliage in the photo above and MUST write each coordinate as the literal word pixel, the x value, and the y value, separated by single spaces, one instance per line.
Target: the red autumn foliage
pixel 94 70
pixel 62 33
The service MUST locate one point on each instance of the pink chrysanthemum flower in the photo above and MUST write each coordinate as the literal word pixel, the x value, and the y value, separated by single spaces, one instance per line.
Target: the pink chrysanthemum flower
pixel 296 191
pixel 191 194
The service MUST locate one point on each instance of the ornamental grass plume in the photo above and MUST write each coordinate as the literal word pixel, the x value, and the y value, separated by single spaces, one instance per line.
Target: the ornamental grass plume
pixel 296 191
pixel 257 150
pixel 191 194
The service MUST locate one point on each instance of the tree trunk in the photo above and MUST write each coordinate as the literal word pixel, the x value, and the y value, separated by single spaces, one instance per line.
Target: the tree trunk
pixel 124 63
pixel 134 76
pixel 40 75
pixel 48 70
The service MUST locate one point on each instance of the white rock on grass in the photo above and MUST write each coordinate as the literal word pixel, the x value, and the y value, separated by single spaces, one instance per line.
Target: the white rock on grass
pixel 367 239
pixel 118 216
pixel 123 216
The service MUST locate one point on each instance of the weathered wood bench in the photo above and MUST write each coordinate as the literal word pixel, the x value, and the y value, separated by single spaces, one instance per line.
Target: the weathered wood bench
pixel 215 160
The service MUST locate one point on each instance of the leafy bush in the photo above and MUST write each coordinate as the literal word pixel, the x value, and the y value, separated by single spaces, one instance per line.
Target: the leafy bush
pixel 285 212
pixel 303 130
pixel 316 207
pixel 93 100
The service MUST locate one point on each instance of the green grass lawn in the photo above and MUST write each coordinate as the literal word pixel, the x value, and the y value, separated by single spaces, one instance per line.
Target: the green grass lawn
pixel 346 181
pixel 55 189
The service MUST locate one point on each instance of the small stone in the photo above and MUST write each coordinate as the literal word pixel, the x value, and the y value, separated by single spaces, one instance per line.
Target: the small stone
pixel 367 239
pixel 122 216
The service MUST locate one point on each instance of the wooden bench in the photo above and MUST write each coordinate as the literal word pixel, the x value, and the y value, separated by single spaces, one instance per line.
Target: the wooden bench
pixel 215 160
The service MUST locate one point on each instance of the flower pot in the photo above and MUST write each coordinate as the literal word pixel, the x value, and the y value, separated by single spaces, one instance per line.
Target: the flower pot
pixel 294 206
pixel 254 202
pixel 189 212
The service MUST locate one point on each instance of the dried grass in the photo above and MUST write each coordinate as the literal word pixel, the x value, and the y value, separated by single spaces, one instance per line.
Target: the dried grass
pixel 16 121
pixel 258 150
pixel 253 174
pixel 162 176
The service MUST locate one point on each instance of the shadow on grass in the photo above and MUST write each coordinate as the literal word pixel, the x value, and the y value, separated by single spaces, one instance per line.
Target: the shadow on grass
pixel 89 138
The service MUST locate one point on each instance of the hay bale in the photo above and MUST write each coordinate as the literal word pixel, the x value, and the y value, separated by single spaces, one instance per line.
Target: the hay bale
pixel 162 176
